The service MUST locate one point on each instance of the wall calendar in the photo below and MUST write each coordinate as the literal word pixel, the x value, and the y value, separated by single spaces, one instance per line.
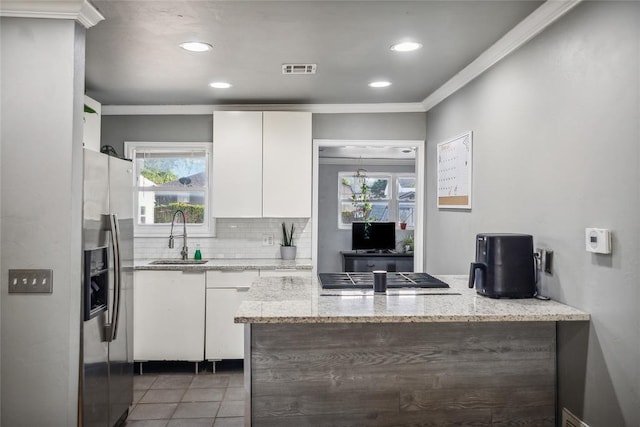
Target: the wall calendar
pixel 454 172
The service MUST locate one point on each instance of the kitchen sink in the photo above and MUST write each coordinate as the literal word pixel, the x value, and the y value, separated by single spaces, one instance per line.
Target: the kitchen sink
pixel 178 261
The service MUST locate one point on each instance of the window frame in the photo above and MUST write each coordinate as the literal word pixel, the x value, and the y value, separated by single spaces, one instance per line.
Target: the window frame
pixel 397 177
pixel 392 201
pixel 207 228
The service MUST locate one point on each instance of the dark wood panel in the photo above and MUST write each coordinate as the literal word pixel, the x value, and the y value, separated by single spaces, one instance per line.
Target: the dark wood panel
pixel 467 418
pixel 400 378
pixel 436 336
pixel 403 374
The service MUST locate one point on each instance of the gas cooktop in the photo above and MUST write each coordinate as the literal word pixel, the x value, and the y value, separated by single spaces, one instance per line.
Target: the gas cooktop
pixel 365 281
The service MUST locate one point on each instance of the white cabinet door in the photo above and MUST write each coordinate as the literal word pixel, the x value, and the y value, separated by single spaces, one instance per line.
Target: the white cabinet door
pixel 224 338
pixel 286 171
pixel 168 315
pixel 237 164
pixel 225 291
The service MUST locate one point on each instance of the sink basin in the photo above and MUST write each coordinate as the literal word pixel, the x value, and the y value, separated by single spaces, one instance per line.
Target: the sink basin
pixel 178 261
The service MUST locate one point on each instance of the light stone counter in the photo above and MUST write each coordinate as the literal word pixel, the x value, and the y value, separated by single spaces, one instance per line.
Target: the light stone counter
pixel 230 264
pixel 301 300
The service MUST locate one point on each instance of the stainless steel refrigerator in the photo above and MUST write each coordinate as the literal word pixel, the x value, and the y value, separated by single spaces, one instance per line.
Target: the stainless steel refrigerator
pixel 106 359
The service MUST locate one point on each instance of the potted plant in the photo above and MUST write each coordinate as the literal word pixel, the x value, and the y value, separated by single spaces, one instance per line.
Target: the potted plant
pixel 287 248
pixel 407 244
pixel 403 221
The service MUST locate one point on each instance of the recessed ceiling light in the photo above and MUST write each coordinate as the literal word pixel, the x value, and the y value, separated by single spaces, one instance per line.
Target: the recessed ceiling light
pixel 406 46
pixel 380 84
pixel 220 85
pixel 196 46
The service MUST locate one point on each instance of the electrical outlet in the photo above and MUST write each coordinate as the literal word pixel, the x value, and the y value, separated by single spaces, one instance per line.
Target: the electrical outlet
pixel 540 257
pixel 30 281
pixel 267 240
pixel 548 261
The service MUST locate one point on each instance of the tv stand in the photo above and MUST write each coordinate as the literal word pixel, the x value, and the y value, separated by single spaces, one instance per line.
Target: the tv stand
pixel 362 261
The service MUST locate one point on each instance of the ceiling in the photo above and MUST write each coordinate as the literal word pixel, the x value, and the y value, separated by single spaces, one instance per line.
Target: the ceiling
pixel 133 57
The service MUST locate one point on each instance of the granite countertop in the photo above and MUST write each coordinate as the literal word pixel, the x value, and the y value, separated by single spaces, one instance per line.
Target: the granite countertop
pixel 233 264
pixel 301 300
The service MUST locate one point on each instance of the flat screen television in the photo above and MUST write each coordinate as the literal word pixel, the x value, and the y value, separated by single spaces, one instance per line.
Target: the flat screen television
pixel 373 236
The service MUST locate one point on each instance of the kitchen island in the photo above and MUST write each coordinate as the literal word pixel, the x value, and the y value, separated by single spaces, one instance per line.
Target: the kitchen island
pixel 424 357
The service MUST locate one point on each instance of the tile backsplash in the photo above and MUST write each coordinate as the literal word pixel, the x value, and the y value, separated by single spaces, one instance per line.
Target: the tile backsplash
pixel 235 238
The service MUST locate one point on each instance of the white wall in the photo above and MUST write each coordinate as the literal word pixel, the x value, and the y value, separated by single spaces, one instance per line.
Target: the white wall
pixel 42 79
pixel 557 149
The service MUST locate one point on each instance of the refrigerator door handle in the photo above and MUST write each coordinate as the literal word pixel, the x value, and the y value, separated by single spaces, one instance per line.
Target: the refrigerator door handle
pixel 111 328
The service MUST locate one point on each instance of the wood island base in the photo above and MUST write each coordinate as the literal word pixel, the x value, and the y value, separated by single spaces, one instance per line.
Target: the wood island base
pixel 401 374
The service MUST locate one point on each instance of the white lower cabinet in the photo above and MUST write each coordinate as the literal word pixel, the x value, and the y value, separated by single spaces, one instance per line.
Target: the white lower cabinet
pixel 224 339
pixel 188 315
pixel 168 315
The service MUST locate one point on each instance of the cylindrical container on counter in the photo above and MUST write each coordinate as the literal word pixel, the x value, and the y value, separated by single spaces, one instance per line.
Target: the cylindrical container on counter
pixel 379 281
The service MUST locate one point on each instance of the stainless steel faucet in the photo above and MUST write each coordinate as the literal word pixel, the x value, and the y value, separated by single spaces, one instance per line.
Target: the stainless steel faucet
pixel 185 250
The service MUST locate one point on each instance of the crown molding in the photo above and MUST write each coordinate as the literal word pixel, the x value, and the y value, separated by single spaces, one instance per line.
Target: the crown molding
pixel 77 10
pixel 527 29
pixel 128 110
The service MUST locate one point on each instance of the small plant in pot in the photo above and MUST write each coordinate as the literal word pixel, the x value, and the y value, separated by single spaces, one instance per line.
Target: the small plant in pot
pixel 287 248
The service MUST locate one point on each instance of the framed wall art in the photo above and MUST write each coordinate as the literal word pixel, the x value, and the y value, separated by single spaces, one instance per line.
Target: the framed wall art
pixel 454 158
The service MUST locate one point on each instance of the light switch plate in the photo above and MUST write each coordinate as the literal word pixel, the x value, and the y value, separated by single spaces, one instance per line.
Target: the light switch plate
pixel 30 281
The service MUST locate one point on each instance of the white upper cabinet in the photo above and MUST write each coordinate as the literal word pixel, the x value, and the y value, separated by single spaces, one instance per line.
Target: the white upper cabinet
pixel 286 160
pixel 261 164
pixel 237 164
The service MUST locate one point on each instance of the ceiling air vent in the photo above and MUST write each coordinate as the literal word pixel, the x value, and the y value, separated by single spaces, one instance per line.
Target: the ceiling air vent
pixel 298 68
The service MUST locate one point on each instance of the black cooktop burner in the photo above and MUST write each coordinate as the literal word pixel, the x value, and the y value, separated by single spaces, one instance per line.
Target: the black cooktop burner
pixel 365 281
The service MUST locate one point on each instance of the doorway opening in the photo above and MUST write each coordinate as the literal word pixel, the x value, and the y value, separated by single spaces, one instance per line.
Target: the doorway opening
pixel 392 161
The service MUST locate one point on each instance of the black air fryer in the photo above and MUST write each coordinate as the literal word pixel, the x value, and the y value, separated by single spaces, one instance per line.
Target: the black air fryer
pixel 505 266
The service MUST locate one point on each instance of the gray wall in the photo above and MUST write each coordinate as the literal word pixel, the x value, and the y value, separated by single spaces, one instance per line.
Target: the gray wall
pixel 41 167
pixel 331 239
pixel 557 149
pixel 369 126
pixel 199 128
pixel 118 129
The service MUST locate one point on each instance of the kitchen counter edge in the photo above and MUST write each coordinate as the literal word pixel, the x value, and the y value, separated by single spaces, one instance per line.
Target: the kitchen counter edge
pixel 299 300
pixel 232 264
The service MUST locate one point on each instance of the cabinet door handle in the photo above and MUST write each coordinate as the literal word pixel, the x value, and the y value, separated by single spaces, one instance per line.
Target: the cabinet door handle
pixel 242 289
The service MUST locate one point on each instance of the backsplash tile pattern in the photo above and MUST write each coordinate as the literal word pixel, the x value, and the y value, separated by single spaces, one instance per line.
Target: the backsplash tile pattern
pixel 235 238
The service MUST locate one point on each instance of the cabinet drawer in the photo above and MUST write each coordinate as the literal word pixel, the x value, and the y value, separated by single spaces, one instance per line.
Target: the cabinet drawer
pixel 231 279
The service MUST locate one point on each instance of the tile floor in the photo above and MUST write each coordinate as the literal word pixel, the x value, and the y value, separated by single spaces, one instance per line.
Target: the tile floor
pixel 186 400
